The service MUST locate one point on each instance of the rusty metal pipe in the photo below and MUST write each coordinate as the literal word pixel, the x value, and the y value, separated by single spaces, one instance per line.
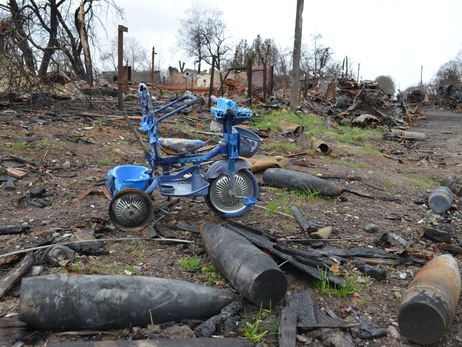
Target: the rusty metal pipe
pixel 79 302
pixel 428 306
pixel 297 180
pixel 251 272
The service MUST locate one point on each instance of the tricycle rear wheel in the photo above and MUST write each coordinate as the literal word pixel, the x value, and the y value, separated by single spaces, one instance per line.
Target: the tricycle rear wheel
pixel 220 199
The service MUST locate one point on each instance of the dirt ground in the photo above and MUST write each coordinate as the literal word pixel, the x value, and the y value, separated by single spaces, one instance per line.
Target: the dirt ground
pixel 72 150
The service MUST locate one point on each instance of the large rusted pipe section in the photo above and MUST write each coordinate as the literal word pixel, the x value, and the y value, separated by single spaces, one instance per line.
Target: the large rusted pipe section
pixel 429 304
pixel 80 302
pixel 297 180
pixel 250 271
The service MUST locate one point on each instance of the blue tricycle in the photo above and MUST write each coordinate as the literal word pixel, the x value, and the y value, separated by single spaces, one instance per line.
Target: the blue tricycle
pixel 229 187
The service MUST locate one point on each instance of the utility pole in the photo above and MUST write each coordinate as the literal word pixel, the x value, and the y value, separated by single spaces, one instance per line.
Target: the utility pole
pixel 421 73
pixel 359 67
pixel 152 67
pixel 120 66
pixel 296 57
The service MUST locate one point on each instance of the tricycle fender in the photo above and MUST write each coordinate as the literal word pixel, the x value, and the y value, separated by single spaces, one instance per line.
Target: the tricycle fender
pixel 221 167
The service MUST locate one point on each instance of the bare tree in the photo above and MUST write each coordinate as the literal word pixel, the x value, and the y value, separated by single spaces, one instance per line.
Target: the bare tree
pixel 202 35
pixel 316 58
pixel 296 56
pixel 450 73
pixel 386 83
pixel 43 28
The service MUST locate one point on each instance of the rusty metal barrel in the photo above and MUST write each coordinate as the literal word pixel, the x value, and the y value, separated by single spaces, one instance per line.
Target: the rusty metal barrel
pixel 428 306
pixel 282 178
pixel 80 302
pixel 251 272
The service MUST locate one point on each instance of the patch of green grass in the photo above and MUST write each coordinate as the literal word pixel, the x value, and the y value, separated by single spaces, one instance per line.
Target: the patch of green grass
pixel 130 269
pixel 387 183
pixel 312 123
pixel 255 330
pixel 311 194
pixel 20 146
pixel 281 146
pixel 285 198
pixel 326 288
pixel 190 263
pixel 427 181
pixel 273 206
pixel 137 249
pixel 76 267
pixel 366 149
pixel 212 273
pixel 355 134
pixel 45 143
pixel 106 160
pixel 103 268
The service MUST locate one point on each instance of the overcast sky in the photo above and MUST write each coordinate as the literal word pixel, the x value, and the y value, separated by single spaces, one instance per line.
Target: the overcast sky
pixel 386 37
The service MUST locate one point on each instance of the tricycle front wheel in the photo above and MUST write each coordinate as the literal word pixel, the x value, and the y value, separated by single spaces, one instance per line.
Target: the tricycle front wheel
pixel 221 200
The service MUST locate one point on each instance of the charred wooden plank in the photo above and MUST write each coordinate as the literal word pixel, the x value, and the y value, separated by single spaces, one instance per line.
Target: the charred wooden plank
pixel 305 224
pixel 437 235
pixel 16 274
pixel 263 243
pixel 288 323
pixel 11 229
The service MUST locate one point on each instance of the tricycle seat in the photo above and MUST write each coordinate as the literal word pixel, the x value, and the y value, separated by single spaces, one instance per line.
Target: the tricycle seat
pixel 173 146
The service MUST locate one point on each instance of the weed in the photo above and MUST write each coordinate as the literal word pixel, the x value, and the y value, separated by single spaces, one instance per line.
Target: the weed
pixel 325 287
pixel 103 268
pixel 280 146
pixel 354 134
pixel 370 150
pixel 190 263
pixel 255 330
pixel 311 123
pixel 311 193
pixel 106 160
pixel 64 125
pixel 212 273
pixel 20 146
pixel 137 249
pixel 426 180
pixel 76 267
pixel 45 143
pixel 273 206
pixel 129 270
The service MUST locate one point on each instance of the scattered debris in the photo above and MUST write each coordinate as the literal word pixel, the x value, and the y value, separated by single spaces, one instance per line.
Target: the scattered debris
pixel 12 229
pixel 15 274
pixel 60 256
pixel 212 325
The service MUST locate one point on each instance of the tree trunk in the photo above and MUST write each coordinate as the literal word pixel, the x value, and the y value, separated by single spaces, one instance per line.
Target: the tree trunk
pixel 85 46
pixel 21 36
pixel 52 41
pixel 296 56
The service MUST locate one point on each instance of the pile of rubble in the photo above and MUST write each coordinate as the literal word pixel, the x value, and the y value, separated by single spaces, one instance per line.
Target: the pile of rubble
pixel 364 104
